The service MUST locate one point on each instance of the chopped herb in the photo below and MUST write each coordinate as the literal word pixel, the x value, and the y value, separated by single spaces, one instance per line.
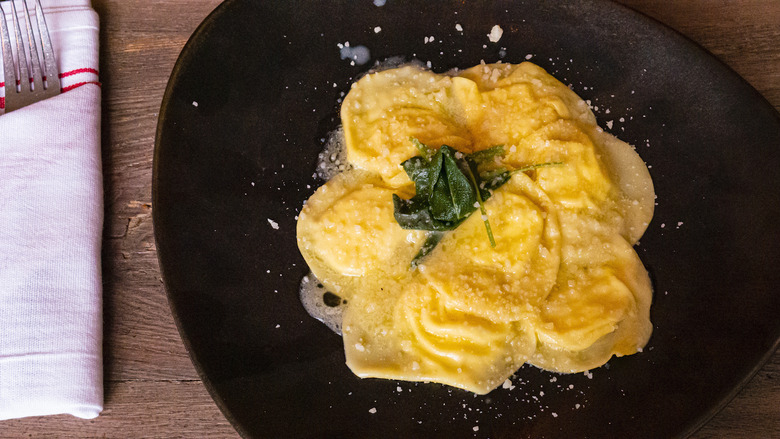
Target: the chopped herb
pixel 487 154
pixel 482 208
pixel 431 241
pixel 425 150
pixel 492 180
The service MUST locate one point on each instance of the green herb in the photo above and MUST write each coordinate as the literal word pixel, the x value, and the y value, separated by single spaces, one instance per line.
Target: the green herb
pixel 482 208
pixel 449 189
pixel 453 195
pixel 431 241
pixel 425 150
pixel 486 155
pixel 494 179
pixel 444 195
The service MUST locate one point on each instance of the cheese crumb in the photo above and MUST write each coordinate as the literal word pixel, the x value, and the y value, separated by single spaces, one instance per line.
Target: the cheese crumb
pixel 458 27
pixel 372 410
pixel 507 384
pixel 495 34
pixel 273 224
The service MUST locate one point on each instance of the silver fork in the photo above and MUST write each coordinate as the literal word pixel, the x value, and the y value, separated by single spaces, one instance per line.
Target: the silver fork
pixel 27 80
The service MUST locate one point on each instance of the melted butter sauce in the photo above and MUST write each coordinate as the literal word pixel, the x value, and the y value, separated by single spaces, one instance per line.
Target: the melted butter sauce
pixel 321 303
pixel 316 299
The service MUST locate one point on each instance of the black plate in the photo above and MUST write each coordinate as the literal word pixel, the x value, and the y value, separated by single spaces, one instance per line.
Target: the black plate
pixel 256 91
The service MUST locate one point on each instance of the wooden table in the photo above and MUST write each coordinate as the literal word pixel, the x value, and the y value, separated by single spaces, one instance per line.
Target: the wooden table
pixel 151 387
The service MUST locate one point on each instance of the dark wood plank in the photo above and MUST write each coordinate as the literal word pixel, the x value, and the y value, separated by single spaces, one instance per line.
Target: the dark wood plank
pixel 140 41
pixel 744 35
pixel 741 33
pixel 152 389
pixel 144 408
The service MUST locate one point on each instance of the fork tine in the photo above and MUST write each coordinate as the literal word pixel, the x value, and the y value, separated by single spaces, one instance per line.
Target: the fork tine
pixel 9 68
pixel 34 60
pixel 35 75
pixel 22 70
pixel 50 72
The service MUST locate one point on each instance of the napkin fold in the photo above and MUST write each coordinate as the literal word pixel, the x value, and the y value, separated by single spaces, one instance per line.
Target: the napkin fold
pixel 51 216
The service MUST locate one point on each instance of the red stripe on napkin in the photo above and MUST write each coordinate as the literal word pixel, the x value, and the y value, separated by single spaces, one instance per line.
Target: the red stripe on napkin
pixel 65 75
pixel 77 71
pixel 79 84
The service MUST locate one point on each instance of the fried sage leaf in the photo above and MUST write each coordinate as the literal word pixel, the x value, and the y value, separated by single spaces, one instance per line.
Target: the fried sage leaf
pixel 449 189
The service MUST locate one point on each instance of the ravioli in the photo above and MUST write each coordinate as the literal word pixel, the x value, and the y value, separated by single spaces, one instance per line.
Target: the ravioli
pixel 562 289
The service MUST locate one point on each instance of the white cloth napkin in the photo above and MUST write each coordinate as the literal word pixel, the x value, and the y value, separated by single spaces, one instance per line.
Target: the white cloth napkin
pixel 51 216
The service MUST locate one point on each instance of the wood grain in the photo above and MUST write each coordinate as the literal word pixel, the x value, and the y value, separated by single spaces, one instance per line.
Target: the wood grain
pixel 152 389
